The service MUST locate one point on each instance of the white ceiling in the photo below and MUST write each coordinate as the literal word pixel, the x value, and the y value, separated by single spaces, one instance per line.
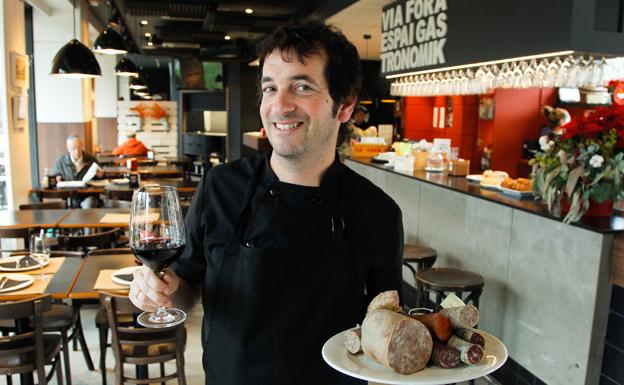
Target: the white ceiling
pixel 360 18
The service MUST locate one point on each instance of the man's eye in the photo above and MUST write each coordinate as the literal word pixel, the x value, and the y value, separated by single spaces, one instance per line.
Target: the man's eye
pixel 268 89
pixel 303 87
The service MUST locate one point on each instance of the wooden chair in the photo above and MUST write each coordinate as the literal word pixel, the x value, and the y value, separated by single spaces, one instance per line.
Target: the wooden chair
pixel 44 205
pixel 58 194
pixel 29 351
pixel 143 346
pixel 186 194
pixel 103 240
pixel 23 234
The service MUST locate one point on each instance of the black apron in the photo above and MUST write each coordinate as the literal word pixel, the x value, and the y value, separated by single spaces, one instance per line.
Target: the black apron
pixel 273 308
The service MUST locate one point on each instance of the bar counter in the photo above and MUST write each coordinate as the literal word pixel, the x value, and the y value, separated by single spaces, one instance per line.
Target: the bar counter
pixel 547 285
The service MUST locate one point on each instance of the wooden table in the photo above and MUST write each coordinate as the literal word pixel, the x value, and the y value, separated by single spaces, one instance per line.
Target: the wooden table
pixel 180 183
pixel 23 219
pixel 83 288
pixel 61 284
pixel 145 172
pixel 80 218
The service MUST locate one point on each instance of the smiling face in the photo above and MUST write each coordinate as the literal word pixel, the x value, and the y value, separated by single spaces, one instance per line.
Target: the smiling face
pixel 296 107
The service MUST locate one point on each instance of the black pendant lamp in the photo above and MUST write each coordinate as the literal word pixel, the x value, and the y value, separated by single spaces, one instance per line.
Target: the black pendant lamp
pixel 137 83
pixel 75 60
pixel 126 67
pixel 109 43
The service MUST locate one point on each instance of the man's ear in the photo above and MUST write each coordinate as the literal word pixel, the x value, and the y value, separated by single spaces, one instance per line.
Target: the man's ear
pixel 345 110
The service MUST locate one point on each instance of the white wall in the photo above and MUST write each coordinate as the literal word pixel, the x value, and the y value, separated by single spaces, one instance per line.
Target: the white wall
pixel 15 140
pixel 106 88
pixel 58 99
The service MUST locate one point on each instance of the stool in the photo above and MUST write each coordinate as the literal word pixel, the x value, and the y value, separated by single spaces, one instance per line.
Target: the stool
pixel 424 257
pixel 441 281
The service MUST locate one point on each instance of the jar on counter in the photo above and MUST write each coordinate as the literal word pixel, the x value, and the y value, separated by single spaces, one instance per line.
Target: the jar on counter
pixel 435 161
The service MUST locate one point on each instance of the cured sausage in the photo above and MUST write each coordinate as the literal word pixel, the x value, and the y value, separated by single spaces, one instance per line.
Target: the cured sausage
pixel 385 300
pixel 469 353
pixel 462 316
pixel 438 325
pixel 471 335
pixel 396 341
pixel 353 340
pixel 445 356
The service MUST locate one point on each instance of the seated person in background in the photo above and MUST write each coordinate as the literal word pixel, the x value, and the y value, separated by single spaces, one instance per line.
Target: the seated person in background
pixel 73 166
pixel 131 147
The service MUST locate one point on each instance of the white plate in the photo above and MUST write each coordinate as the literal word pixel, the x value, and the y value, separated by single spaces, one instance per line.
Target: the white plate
pixel 432 169
pixel 490 187
pixel 120 181
pixel 516 193
pixel 125 270
pixel 27 281
pixel 25 268
pixel 363 367
pixel 477 178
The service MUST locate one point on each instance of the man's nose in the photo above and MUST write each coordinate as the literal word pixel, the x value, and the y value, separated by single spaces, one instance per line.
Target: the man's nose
pixel 284 102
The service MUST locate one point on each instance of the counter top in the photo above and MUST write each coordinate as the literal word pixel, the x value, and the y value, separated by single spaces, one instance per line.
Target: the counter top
pixel 613 224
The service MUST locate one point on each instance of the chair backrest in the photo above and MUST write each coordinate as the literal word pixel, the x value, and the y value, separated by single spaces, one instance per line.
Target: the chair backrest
pixel 117 251
pixel 54 194
pixel 28 343
pixel 44 205
pixel 23 234
pixel 140 339
pixel 103 240
pixel 186 194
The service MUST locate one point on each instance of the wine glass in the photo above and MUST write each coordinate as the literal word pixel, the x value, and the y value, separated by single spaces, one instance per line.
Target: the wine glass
pixel 39 250
pixel 157 238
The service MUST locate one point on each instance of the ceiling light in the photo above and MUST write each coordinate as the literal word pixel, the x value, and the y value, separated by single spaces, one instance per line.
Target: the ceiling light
pixel 126 67
pixel 137 83
pixel 227 37
pixel 150 43
pixel 248 10
pixel 110 43
pixel 148 34
pixel 74 59
pixel 143 22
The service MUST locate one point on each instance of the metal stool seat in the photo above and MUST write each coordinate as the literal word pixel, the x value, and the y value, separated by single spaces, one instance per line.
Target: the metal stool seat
pixel 441 281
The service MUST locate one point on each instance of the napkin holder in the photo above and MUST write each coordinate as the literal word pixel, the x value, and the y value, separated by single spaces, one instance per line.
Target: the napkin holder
pixel 458 167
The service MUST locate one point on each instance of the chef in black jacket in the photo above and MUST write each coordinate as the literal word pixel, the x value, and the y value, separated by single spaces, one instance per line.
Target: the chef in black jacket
pixel 286 249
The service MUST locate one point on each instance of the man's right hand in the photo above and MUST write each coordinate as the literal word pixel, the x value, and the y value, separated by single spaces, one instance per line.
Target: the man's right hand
pixel 148 292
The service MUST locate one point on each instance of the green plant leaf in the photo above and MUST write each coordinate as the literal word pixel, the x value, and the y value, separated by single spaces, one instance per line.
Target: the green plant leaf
pixel 602 192
pixel 573 178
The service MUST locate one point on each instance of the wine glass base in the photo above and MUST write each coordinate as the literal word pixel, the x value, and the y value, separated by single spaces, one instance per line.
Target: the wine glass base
pixel 170 318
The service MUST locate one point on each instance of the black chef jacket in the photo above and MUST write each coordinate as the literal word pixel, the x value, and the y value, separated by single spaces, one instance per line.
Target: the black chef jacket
pixel 373 228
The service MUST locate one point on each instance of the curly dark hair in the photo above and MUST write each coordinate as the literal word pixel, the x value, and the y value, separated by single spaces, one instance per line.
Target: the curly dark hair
pixel 304 38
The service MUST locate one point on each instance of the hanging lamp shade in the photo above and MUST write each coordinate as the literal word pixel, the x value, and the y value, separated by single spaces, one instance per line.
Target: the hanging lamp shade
pixel 110 43
pixel 137 83
pixel 75 60
pixel 126 67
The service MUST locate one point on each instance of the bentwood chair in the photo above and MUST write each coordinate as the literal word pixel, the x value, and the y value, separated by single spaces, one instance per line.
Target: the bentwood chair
pixel 44 205
pixel 143 346
pixel 29 351
pixel 104 240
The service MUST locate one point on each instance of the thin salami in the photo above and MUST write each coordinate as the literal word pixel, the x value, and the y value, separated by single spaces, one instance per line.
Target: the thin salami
pixel 471 335
pixel 353 340
pixel 469 353
pixel 398 342
pixel 445 356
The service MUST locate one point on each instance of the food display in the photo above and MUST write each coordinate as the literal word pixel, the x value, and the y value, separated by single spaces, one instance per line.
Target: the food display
pixel 408 343
pixel 520 184
pixel 493 179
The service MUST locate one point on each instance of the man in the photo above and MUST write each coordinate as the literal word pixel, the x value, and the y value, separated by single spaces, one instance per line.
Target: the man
pixel 131 147
pixel 73 166
pixel 286 249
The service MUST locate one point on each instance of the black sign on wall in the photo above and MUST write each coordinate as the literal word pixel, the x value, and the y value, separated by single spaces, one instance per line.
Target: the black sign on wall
pixel 428 34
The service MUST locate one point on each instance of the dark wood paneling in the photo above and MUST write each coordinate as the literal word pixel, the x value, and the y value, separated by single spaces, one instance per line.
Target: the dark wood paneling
pixel 51 138
pixel 107 133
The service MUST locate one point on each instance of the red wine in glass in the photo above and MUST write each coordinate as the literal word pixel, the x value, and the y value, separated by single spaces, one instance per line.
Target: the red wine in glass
pixel 157 238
